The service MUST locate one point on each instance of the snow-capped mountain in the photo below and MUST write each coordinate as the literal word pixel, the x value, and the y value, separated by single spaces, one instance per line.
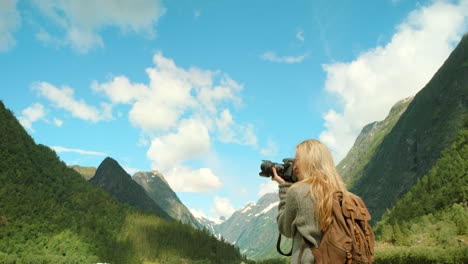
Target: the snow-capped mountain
pixel 208 222
pixel 252 228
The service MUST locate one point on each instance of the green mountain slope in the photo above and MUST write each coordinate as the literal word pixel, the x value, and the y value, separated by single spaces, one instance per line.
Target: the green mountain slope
pixel 429 224
pixel 112 178
pixel 352 166
pixel 47 208
pixel 412 148
pixel 50 214
pixel 160 192
pixel 86 172
pixel 445 184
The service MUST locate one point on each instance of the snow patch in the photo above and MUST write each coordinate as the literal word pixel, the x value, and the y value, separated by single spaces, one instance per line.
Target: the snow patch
pixel 200 216
pixel 271 206
pixel 248 207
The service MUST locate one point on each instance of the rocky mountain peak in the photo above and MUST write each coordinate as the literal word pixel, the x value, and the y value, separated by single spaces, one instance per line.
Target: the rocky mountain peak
pixel 112 178
pixel 158 189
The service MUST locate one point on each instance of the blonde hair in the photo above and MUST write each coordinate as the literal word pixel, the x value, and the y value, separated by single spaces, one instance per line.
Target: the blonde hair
pixel 315 167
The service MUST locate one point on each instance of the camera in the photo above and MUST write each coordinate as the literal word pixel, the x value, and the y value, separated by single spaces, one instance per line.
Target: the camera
pixel 285 171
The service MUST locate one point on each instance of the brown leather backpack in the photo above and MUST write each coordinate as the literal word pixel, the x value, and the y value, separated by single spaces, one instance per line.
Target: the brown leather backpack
pixel 349 237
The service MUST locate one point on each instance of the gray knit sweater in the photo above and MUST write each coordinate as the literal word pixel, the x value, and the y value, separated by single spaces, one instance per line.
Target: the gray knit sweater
pixel 296 219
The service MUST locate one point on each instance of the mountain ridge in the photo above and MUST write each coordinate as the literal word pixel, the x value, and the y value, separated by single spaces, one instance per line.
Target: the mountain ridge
pixel 112 178
pixel 351 167
pixel 158 189
pixel 428 126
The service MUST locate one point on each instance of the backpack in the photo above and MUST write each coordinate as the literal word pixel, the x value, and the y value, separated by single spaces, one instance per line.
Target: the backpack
pixel 349 237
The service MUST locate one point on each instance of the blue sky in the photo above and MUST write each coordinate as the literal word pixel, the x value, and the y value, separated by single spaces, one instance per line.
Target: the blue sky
pixel 203 91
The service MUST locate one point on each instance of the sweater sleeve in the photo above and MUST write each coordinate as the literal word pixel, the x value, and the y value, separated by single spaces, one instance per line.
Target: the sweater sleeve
pixel 287 210
pixel 296 213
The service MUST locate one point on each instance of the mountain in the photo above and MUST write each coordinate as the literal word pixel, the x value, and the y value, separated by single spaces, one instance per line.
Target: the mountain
pixel 157 188
pixel 112 178
pixel 253 228
pixel 86 172
pixel 48 209
pixel 444 186
pixel 210 224
pixel 351 167
pixel 412 148
pixel 51 214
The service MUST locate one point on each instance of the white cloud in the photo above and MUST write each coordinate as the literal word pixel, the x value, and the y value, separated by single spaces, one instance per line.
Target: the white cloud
pixel 271 150
pixel 300 35
pixel 58 122
pixel 178 111
pixel 170 94
pixel 231 132
pixel 32 114
pixel 222 207
pixel 59 149
pixel 273 57
pixel 168 152
pixel 10 21
pixel 64 98
pixel 186 179
pixel 227 91
pixel 83 19
pixel 269 187
pixel 191 141
pixel 378 78
pixel 120 90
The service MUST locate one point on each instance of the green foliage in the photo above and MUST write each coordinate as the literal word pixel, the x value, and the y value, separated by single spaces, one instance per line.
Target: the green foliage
pixel 50 214
pixel 434 211
pixel 283 260
pixel 414 255
pixel 154 239
pixel 445 185
pixel 430 219
pixel 442 228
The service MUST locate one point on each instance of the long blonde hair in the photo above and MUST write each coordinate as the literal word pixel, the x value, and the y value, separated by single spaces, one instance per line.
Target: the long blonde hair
pixel 315 167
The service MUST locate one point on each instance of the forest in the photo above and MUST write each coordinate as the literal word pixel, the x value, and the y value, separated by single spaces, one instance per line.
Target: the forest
pixel 50 214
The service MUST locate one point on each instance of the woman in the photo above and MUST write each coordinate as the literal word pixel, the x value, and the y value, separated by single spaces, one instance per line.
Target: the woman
pixel 305 207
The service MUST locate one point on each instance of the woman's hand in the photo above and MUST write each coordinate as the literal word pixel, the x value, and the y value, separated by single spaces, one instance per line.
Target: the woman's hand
pixel 276 177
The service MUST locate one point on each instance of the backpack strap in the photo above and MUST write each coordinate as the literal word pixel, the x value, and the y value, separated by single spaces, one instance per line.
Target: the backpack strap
pixel 278 247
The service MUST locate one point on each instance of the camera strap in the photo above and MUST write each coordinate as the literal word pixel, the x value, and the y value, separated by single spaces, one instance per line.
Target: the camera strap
pixel 278 247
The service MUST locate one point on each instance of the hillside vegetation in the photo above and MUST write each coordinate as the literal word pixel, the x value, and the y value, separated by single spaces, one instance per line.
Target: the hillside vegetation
pixel 50 214
pixel 352 166
pixel 434 211
pixel 86 172
pixel 429 224
pixel 414 145
pixel 112 178
pixel 157 188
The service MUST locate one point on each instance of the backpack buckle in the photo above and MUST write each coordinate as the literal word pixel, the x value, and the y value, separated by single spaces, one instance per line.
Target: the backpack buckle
pixel 349 257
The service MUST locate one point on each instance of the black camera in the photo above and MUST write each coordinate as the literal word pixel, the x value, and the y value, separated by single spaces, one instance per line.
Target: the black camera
pixel 285 171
